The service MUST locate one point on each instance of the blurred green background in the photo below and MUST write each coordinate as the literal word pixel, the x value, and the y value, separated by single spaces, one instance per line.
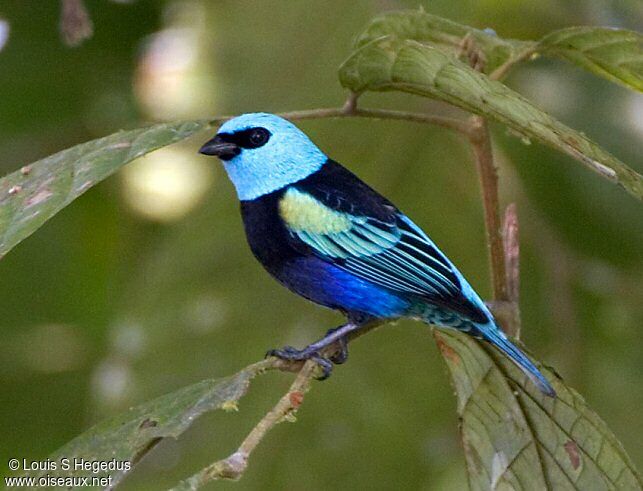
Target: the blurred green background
pixel 145 284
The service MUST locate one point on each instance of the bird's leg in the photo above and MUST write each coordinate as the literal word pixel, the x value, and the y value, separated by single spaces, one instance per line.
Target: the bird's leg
pixel 312 351
pixel 342 355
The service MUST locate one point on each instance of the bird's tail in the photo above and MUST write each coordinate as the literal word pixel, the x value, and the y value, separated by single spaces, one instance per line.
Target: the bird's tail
pixel 496 337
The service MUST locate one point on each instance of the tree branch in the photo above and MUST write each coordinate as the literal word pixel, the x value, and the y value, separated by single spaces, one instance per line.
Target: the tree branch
pixel 350 111
pixel 235 464
pixel 480 140
pixel 502 238
pixel 507 312
pixel 511 244
pixel 502 71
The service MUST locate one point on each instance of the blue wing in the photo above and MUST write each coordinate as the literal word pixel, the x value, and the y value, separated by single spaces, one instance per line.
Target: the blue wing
pixel 389 251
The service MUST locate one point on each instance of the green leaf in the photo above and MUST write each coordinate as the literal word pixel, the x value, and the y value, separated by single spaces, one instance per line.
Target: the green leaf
pixel 517 438
pixel 615 54
pixel 32 195
pixel 445 34
pixel 388 64
pixel 131 435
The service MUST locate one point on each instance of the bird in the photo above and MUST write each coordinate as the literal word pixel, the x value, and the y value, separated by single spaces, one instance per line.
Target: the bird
pixel 326 235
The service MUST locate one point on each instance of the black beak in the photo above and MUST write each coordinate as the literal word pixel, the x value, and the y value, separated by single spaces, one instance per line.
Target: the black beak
pixel 220 148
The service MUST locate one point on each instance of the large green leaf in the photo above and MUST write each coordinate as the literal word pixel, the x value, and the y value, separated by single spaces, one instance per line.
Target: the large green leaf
pixel 442 33
pixel 31 196
pixel 388 63
pixel 129 436
pixel 615 54
pixel 517 438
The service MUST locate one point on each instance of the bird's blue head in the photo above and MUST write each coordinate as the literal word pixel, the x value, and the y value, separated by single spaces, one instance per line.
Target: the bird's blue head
pixel 263 153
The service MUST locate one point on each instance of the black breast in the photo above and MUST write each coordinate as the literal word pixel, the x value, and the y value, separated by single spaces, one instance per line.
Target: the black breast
pixel 266 233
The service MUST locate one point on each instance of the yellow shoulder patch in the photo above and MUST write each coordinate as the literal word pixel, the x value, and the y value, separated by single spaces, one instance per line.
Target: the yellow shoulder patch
pixel 303 213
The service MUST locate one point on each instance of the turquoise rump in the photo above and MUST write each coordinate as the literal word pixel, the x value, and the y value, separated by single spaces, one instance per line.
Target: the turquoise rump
pixel 329 237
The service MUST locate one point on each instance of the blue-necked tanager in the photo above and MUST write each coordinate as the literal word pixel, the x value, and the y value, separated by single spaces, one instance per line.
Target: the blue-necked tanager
pixel 329 237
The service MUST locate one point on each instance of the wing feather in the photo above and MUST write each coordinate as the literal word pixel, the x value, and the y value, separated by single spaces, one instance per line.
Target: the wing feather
pixel 394 254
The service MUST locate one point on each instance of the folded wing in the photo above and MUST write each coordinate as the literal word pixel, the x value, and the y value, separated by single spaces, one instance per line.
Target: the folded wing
pixel 389 251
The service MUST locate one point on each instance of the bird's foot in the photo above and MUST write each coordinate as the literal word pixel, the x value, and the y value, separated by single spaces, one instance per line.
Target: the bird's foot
pixel 342 354
pixel 318 351
pixel 289 353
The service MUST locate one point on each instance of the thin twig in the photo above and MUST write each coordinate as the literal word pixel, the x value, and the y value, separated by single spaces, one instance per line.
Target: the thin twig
pixel 480 139
pixel 511 244
pixel 352 112
pixel 502 238
pixel 481 143
pixel 235 465
pixel 502 71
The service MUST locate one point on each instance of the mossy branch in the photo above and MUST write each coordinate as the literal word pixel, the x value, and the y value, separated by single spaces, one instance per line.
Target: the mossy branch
pixel 233 466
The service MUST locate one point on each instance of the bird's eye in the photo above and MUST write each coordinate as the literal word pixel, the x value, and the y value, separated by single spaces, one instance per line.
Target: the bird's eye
pixel 258 137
